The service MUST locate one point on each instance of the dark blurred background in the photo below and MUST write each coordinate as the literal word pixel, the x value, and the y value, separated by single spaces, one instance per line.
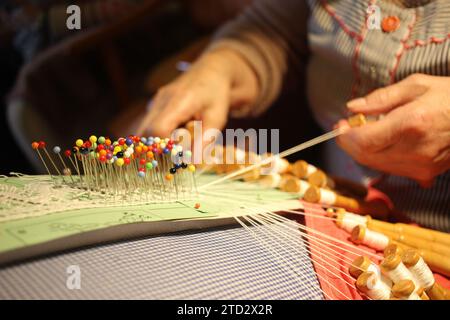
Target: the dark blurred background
pixel 58 84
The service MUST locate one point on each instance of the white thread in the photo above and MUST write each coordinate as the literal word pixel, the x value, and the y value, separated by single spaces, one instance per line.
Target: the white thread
pixel 272 180
pixel 413 296
pixel 401 273
pixel 240 155
pixel 422 273
pixel 310 169
pixel 303 187
pixel 361 219
pixel 327 197
pixel 375 240
pixel 377 289
pixel 375 269
pixel 387 281
pixel 351 220
pixel 281 165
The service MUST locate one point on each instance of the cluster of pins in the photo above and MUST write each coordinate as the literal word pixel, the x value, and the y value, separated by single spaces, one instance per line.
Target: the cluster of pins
pixel 155 168
pixel 411 254
pixel 300 177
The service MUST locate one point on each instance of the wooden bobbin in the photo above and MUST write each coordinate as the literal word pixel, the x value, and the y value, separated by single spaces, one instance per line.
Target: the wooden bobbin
pixel 278 165
pixel 413 241
pixel 295 185
pixel 333 212
pixel 270 180
pixel 302 169
pixel 391 262
pixel 361 235
pixel 372 286
pixel 249 176
pixel 357 120
pixel 328 197
pixel 437 262
pixel 433 290
pixel 393 267
pixel 359 265
pixel 321 180
pixel 393 249
pixel 362 281
pixel 347 221
pixel 405 290
pixel 418 232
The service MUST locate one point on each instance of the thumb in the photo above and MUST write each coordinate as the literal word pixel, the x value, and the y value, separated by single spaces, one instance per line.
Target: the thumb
pixel 372 137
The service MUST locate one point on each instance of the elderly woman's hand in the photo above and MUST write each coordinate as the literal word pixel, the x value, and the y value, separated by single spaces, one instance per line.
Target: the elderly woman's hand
pixel 218 81
pixel 413 138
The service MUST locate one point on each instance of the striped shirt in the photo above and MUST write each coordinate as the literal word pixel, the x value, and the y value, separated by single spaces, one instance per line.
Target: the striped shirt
pixel 333 38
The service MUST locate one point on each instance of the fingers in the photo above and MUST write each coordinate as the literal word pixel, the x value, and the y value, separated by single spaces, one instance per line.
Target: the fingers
pixel 168 111
pixel 385 99
pixel 158 103
pixel 176 111
pixel 373 137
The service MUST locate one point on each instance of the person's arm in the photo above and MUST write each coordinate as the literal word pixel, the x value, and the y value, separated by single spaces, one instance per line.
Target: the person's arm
pixel 271 36
pixel 242 69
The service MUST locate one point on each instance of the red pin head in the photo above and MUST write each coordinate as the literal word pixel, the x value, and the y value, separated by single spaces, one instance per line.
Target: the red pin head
pixel 67 153
pixel 42 144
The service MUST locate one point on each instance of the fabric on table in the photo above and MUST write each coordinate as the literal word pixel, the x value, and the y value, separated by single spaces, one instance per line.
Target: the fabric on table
pixel 216 264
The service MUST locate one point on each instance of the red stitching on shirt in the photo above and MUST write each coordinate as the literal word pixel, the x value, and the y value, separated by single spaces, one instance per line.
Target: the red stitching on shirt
pixel 356 69
pixel 423 43
pixel 402 50
pixel 341 22
pixel 359 37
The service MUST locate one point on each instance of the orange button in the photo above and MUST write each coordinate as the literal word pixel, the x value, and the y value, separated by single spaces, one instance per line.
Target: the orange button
pixel 390 24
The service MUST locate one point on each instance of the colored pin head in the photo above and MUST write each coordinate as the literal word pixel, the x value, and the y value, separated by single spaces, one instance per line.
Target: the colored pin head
pixel 120 162
pixel 138 156
pixel 79 143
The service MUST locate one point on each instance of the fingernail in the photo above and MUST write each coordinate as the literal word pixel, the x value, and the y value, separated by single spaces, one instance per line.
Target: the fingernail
pixel 357 103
